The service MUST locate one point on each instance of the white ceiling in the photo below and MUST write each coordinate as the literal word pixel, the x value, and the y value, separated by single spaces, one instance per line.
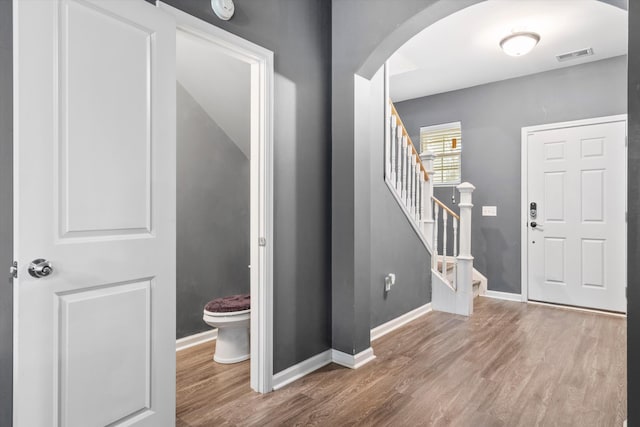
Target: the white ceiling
pixel 219 83
pixel 463 49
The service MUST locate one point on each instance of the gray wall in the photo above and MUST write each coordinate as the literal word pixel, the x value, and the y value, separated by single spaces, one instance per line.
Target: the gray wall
pixel 298 34
pixel 492 116
pixel 395 246
pixel 212 214
pixel 6 213
pixel 633 226
pixel 364 34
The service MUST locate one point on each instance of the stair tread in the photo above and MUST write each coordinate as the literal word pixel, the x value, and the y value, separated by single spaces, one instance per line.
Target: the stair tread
pixel 450 266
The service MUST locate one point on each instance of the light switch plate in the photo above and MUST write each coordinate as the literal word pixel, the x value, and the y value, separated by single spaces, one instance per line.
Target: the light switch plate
pixel 489 211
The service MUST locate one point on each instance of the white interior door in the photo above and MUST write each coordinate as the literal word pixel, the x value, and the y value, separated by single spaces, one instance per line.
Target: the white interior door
pixel 95 196
pixel 577 241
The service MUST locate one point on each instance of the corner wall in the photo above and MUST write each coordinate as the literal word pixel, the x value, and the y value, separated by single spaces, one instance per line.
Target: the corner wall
pixel 395 246
pixel 298 32
pixel 633 225
pixel 212 214
pixel 492 117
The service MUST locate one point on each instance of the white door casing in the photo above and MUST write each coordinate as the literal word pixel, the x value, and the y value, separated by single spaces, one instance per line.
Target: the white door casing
pixel 576 174
pixel 94 177
pixel 260 61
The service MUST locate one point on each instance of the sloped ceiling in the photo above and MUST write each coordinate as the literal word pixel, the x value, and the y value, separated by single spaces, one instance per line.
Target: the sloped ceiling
pixel 219 83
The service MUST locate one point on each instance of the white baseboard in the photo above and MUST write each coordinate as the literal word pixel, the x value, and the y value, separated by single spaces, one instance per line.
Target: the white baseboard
pixel 301 369
pixel 399 321
pixel 196 339
pixel 508 296
pixel 353 361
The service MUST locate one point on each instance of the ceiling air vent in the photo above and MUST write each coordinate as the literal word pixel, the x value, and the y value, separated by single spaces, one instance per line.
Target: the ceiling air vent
pixel 574 55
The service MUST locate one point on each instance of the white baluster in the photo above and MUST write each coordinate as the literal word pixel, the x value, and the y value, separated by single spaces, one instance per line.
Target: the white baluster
pixel 392 156
pixel 455 236
pixel 389 118
pixel 413 185
pixel 427 194
pixel 420 195
pixel 405 166
pixel 436 208
pixel 455 252
pixel 410 171
pixel 416 175
pixel 445 216
pixel 399 159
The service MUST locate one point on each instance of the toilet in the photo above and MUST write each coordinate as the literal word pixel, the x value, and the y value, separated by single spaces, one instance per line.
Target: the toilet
pixel 231 316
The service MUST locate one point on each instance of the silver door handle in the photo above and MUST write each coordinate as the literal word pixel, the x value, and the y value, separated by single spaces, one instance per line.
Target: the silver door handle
pixel 40 268
pixel 535 224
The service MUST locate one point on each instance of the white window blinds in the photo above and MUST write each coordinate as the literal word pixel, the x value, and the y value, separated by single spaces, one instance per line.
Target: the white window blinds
pixel 445 141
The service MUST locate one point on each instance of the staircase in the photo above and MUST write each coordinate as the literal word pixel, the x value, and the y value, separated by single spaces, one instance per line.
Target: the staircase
pixel 408 174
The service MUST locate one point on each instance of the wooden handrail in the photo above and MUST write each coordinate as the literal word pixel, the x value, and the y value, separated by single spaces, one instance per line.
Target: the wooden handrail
pixel 413 147
pixel 443 206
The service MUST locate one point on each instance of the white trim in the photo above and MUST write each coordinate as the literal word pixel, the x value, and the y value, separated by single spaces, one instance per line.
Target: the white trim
pixel 196 339
pixel 301 369
pixel 583 309
pixel 507 296
pixel 399 321
pixel 524 175
pixel 261 194
pixel 352 361
pixel 441 126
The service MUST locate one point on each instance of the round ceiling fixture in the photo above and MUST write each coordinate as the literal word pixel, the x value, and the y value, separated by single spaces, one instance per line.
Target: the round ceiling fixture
pixel 518 44
pixel 223 8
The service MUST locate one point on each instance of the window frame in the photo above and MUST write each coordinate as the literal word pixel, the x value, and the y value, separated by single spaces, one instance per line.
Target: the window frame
pixel 452 153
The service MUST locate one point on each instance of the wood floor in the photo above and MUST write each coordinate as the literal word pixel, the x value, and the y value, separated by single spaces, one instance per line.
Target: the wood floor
pixel 510 364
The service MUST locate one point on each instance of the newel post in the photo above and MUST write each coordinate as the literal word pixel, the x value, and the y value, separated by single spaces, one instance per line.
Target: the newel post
pixel 427 193
pixel 465 260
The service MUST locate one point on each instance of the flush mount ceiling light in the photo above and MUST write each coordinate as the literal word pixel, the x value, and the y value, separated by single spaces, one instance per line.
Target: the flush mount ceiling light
pixel 518 44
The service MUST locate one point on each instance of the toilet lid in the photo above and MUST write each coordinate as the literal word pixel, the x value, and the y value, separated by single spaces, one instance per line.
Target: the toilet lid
pixel 228 304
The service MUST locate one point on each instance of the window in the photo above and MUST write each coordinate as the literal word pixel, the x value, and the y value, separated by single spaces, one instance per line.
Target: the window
pixel 445 141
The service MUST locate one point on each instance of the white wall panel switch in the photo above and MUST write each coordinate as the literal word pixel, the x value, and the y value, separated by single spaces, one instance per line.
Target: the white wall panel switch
pixel 489 211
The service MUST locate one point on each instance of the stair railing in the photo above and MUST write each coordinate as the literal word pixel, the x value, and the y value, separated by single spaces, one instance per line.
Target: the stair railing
pixel 409 176
pixel 404 169
pixel 442 260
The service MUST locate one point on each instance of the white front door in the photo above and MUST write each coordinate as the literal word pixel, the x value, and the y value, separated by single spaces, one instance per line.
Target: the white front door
pixel 95 197
pixel 577 239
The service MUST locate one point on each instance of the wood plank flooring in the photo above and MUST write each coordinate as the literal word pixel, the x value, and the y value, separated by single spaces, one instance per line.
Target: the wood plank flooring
pixel 510 364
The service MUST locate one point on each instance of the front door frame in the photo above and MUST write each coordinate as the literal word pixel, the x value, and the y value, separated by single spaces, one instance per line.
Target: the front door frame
pixel 524 200
pixel 261 205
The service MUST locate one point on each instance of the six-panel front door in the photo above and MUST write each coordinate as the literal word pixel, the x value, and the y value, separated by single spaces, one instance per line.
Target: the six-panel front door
pixel 95 197
pixel 577 234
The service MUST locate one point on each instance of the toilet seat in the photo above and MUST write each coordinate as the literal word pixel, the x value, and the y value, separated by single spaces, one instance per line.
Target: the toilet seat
pixel 232 303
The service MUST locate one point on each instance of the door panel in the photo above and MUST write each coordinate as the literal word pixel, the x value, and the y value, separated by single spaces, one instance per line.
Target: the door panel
pixel 84 322
pixel 95 195
pixel 115 133
pixel 577 251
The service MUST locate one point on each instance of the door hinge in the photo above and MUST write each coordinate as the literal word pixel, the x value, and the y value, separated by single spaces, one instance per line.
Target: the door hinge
pixel 13 270
pixel 626 141
pixel 262 241
pixel 626 217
